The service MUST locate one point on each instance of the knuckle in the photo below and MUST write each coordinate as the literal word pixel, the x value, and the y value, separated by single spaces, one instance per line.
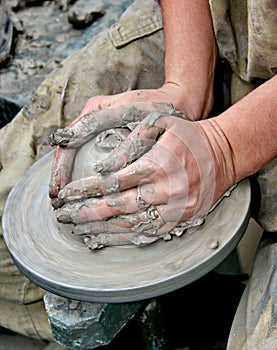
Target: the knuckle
pixel 148 167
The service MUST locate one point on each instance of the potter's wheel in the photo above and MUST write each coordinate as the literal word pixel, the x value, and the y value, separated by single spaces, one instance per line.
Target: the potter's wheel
pixel 53 259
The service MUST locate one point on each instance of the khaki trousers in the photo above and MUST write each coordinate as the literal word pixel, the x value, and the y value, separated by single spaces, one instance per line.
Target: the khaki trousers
pixel 127 56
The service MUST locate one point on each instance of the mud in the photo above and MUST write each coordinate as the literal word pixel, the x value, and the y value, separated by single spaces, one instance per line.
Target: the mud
pixel 36 106
pixel 43 37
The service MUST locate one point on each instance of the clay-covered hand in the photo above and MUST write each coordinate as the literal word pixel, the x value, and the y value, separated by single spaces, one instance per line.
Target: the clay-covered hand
pixel 88 126
pixel 178 179
pixel 168 93
pixel 93 119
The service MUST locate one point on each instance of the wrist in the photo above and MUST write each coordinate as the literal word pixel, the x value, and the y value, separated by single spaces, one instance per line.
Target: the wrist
pixel 195 103
pixel 222 154
pixel 190 57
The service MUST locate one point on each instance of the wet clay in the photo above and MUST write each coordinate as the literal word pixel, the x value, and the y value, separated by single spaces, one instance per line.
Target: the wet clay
pixel 60 262
pixel 90 158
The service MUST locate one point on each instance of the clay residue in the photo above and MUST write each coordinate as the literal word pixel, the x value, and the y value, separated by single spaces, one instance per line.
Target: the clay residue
pixel 144 227
pixel 36 106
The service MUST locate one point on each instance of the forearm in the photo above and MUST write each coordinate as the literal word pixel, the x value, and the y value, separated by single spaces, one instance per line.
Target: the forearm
pixel 247 131
pixel 190 54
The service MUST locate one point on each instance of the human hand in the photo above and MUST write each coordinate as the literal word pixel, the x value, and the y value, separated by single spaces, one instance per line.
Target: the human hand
pixel 178 180
pixel 87 127
pixel 169 94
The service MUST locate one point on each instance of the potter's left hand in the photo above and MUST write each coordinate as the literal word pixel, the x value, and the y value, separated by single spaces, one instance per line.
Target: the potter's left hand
pixel 183 174
pixel 87 126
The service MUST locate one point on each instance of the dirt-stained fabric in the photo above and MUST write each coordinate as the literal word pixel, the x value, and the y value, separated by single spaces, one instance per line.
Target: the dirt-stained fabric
pixel 57 101
pixel 254 325
pixel 246 33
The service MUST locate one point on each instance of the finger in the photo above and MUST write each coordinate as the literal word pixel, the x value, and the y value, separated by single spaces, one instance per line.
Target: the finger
pixel 92 186
pixel 138 142
pixel 148 229
pixel 165 232
pixel 93 123
pixel 159 219
pixel 127 202
pixel 147 220
pixel 99 185
pixel 127 177
pixel 96 242
pixel 90 124
pixel 141 170
pixel 98 227
pixel 98 103
pixel 130 177
pixel 61 169
pixel 106 233
pixel 96 209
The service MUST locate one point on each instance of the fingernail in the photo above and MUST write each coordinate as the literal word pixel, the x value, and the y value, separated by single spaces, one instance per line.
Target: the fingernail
pixel 78 231
pixel 63 216
pixel 57 202
pixel 61 194
pixel 61 137
pixel 97 168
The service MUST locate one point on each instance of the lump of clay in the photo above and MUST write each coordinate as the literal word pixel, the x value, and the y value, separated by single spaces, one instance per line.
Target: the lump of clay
pixel 96 150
